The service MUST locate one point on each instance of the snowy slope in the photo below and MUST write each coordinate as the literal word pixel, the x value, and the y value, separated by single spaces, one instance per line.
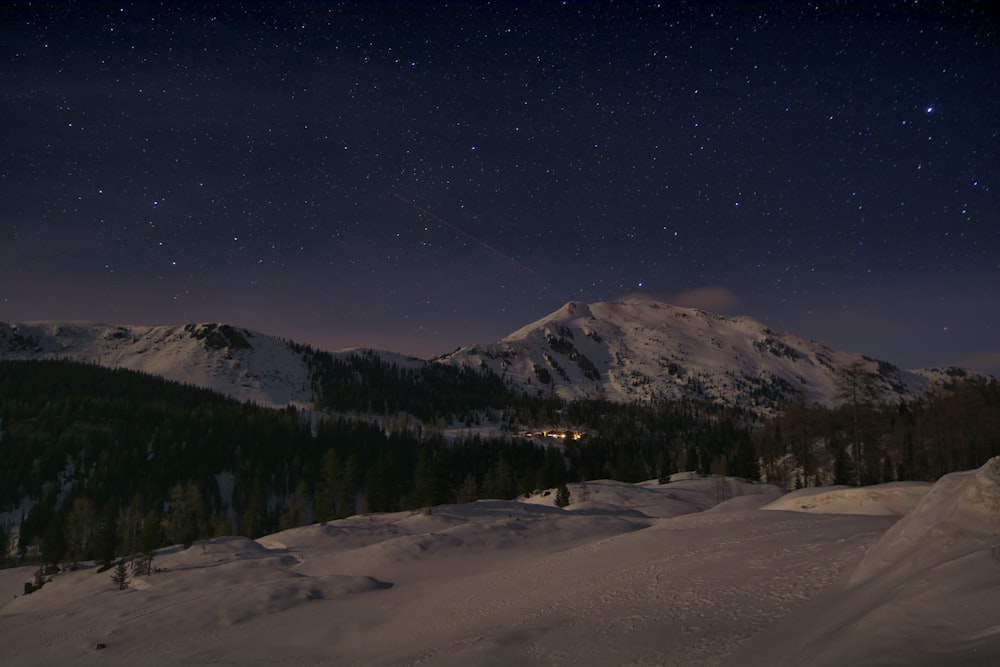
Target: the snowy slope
pixel 892 498
pixel 926 593
pixel 640 350
pixel 240 363
pixel 643 574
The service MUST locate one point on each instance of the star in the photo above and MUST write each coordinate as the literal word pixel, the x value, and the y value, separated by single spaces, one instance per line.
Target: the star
pixel 568 163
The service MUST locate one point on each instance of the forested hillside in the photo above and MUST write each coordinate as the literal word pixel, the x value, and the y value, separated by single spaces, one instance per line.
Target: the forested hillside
pixel 97 462
pixel 88 451
pixel 869 442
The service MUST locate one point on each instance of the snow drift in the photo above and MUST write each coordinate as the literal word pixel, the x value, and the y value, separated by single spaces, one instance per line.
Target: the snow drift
pixel 893 498
pixel 686 573
pixel 925 594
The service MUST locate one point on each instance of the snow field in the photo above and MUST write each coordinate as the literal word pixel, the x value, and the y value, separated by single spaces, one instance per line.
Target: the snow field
pixel 636 574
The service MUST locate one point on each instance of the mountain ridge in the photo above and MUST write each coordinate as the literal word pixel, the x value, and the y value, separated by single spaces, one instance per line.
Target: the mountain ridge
pixel 647 350
pixel 631 350
pixel 235 361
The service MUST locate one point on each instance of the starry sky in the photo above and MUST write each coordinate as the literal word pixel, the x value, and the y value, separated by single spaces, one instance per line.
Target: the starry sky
pixel 418 176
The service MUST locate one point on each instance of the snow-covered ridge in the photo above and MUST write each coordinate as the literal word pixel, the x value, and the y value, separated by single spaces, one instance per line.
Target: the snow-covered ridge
pixel 240 363
pixel 626 351
pixel 641 350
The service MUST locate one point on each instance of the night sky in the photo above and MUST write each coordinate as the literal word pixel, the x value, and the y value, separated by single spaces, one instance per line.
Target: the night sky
pixel 419 176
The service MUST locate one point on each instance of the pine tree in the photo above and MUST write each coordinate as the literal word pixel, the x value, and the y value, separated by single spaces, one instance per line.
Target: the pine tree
pixel 80 526
pixel 430 478
pixel 469 491
pixel 326 490
pixel 4 543
pixel 664 466
pixel 295 512
pixel 382 484
pixel 129 526
pixel 744 460
pixel 106 535
pixel 842 473
pixel 856 387
pixel 149 540
pixel 187 514
pixel 346 487
pixel 498 481
pixel 55 544
pixel 120 576
pixel 562 496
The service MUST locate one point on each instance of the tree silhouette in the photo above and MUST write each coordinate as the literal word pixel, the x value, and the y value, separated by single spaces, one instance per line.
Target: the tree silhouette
pixel 106 535
pixel 856 387
pixel 149 540
pixel 562 496
pixel 120 576
pixel 55 544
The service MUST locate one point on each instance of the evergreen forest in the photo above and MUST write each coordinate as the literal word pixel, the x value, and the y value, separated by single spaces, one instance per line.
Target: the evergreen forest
pixel 98 463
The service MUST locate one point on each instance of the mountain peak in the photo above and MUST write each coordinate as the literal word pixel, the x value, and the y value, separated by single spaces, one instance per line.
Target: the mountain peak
pixel 634 349
pixel 638 349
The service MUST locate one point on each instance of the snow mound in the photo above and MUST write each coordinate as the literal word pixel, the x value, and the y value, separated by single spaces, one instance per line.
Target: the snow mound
pixel 958 516
pixel 527 583
pixel 985 487
pixel 925 594
pixel 651 499
pixel 892 499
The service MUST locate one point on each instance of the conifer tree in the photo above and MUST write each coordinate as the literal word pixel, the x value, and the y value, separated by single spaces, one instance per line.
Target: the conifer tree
pixel 106 535
pixel 743 462
pixel 382 484
pixel 149 540
pixel 430 478
pixel 80 526
pixel 346 487
pixel 4 543
pixel 562 496
pixel 326 489
pixel 296 509
pixel 856 387
pixel 469 491
pixel 187 514
pixel 120 576
pixel 55 544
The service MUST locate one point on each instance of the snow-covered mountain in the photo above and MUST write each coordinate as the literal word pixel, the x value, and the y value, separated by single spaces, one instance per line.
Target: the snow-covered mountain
pixel 240 363
pixel 640 350
pixel 628 351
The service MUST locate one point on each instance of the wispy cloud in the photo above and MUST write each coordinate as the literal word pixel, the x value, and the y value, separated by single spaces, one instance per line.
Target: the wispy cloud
pixel 713 299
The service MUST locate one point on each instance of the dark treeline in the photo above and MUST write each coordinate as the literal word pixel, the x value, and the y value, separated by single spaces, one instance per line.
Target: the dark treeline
pixel 946 431
pixel 115 461
pixel 633 442
pixel 366 382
